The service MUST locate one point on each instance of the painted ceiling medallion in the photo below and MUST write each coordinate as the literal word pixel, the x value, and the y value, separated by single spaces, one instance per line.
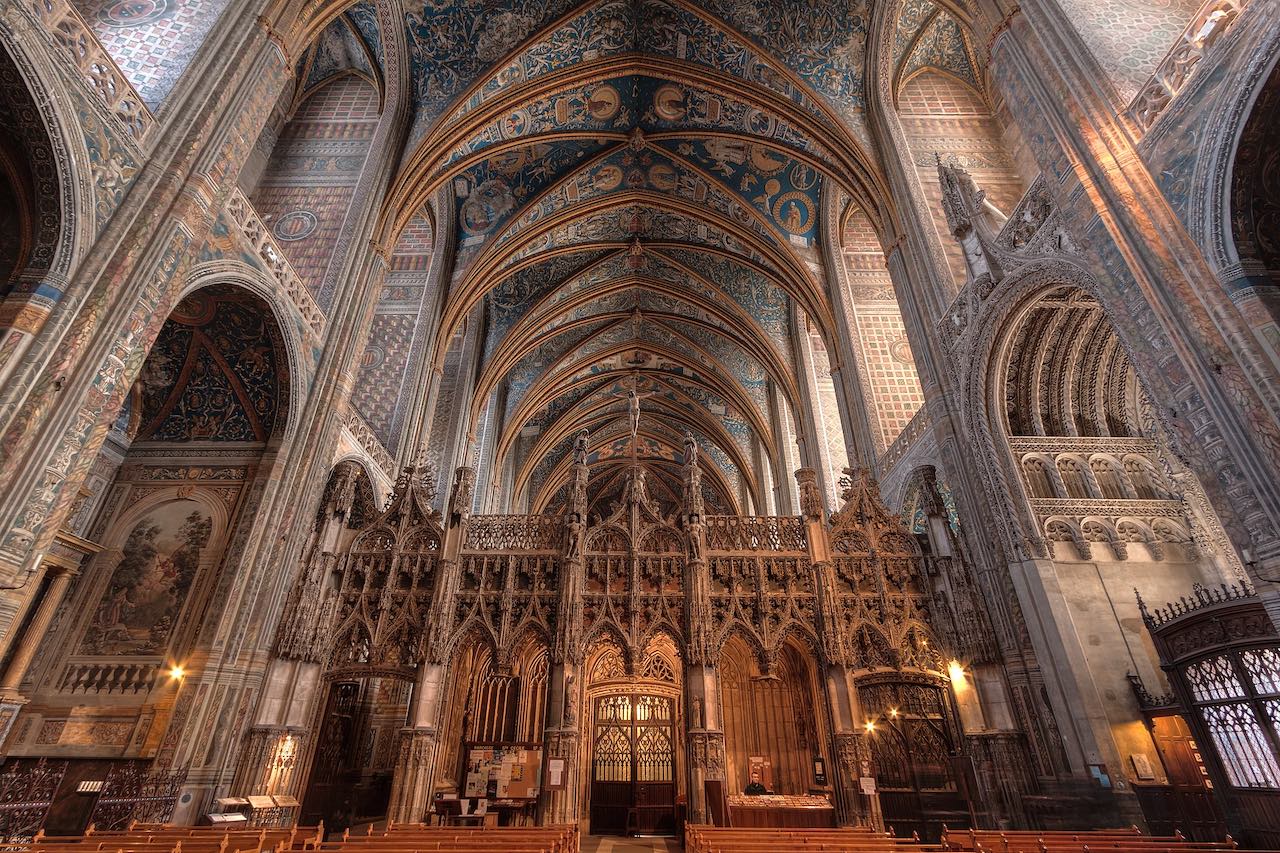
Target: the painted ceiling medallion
pixel 132 13
pixel 295 225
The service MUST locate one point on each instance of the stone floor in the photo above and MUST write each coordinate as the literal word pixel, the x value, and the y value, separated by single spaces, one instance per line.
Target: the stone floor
pixel 618 844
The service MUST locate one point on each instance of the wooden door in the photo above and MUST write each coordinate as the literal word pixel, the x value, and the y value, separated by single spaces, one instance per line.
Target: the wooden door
pixel 914 752
pixel 330 793
pixel 633 765
pixel 1192 810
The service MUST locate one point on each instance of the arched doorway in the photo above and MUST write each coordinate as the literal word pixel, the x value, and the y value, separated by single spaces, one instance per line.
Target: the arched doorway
pixel 633 724
pixel 915 744
pixel 770 714
pixel 375 642
pixel 1094 480
pixel 491 704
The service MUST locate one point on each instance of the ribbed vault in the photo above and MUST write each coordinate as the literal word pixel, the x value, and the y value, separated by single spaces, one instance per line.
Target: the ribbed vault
pixel 636 190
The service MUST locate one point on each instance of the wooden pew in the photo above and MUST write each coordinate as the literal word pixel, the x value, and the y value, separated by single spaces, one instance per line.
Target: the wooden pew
pixel 1060 841
pixel 709 839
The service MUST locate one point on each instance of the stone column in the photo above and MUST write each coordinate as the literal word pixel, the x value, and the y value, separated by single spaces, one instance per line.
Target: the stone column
pixel 414 778
pixel 562 744
pixel 705 742
pixel 564 682
pixel 852 764
pixel 60 567
pixel 60 579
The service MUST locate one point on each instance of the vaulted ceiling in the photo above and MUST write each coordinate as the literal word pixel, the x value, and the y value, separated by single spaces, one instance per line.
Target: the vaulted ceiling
pixel 637 196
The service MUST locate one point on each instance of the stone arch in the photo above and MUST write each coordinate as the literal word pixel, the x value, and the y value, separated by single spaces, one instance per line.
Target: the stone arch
pixel 45 166
pixel 1254 199
pixel 773 712
pixel 260 374
pixel 1208 189
pixel 1040 473
pixel 288 320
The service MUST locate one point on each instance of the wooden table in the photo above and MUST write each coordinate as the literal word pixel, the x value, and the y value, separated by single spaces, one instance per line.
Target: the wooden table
pixel 783 812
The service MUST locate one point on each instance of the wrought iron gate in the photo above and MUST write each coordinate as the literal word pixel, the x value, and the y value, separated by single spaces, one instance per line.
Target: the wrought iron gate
pixel 133 791
pixel 633 765
pixel 26 792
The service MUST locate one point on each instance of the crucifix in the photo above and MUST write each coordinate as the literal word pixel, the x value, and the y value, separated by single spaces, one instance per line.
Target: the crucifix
pixel 633 398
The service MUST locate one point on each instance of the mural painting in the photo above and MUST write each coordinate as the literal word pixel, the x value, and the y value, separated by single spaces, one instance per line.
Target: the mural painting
pixel 145 594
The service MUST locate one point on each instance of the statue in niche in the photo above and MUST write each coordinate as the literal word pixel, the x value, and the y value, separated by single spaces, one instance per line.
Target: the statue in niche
pixel 570 702
pixel 574 546
pixel 580 448
pixel 690 449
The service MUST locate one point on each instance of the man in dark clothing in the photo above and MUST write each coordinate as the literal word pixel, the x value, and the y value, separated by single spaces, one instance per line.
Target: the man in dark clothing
pixel 755 789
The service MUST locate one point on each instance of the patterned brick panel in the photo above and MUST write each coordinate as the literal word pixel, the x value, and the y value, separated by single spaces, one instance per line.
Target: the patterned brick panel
pixel 307 187
pixel 890 368
pixel 382 371
pixel 891 385
pixel 396 340
pixel 152 41
pixel 1130 37
pixel 828 411
pixel 944 117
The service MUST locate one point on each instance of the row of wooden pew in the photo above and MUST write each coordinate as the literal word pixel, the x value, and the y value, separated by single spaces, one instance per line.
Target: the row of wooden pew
pixel 163 838
pixel 723 839
pixel 418 838
pixel 400 838
pixel 712 839
pixel 1098 841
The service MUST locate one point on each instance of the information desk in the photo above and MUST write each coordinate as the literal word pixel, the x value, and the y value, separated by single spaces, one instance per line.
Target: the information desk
pixel 777 810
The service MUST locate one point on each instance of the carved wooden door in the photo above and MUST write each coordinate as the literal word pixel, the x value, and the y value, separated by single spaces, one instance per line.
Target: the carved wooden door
pixel 913 747
pixel 330 794
pixel 633 765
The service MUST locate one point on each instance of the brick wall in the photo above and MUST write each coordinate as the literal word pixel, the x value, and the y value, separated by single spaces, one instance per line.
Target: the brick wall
pixel 309 182
pixel 944 116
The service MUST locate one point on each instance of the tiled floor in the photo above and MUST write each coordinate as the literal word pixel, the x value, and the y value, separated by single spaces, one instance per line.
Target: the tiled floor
pixel 618 844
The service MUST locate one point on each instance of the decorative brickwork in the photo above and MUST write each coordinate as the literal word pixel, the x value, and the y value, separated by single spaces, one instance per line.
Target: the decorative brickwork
pixel 309 183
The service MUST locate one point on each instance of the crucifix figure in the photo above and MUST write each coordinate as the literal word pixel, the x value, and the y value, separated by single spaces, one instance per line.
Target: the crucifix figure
pixel 633 398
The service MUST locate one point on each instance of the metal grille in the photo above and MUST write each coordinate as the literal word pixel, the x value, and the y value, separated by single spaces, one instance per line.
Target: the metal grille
pixel 1213 680
pixel 613 754
pixel 1242 743
pixel 1263 668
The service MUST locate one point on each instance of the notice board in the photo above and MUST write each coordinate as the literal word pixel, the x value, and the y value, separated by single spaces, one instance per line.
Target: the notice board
pixel 503 771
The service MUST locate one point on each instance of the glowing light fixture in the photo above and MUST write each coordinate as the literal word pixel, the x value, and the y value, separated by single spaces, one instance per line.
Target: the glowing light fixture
pixel 176 672
pixel 870 726
pixel 956 671
pixel 893 712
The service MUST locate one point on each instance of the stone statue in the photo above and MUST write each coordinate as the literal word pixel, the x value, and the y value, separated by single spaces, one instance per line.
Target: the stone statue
pixel 573 549
pixel 690 449
pixel 570 717
pixel 633 398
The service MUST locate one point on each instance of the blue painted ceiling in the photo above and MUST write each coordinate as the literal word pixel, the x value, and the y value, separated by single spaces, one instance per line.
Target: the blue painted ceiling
pixel 638 191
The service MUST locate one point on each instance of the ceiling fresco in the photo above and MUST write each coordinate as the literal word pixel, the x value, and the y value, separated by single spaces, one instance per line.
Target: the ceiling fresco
pixel 351 42
pixel 638 187
pixel 466 53
pixel 217 372
pixel 928 37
